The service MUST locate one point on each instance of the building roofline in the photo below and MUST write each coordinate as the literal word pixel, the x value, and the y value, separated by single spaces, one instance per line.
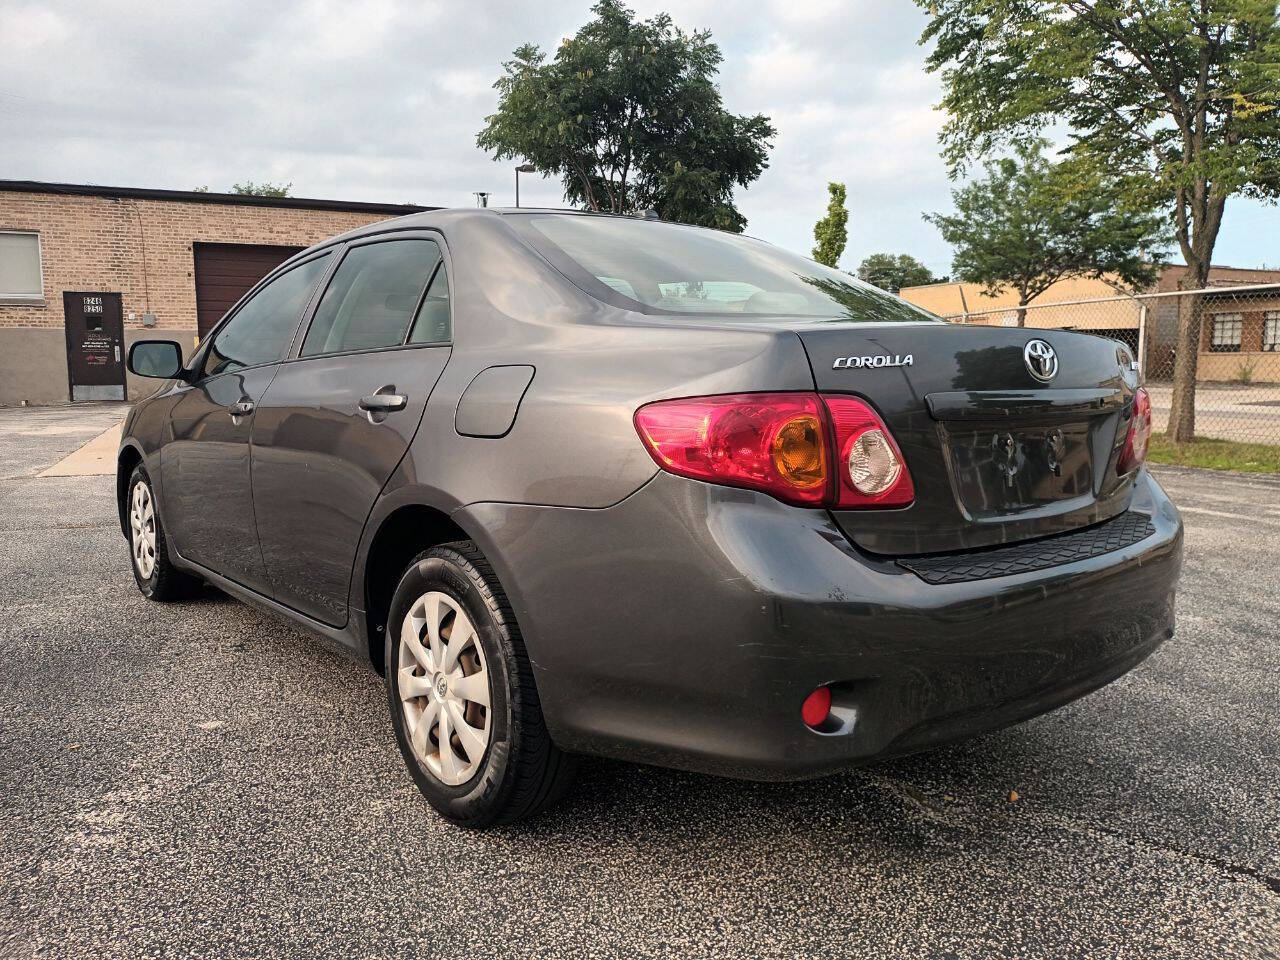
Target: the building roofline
pixel 938 283
pixel 1220 266
pixel 198 196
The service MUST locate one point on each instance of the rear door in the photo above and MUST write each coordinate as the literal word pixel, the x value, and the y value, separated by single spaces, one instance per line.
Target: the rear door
pixel 1000 446
pixel 339 416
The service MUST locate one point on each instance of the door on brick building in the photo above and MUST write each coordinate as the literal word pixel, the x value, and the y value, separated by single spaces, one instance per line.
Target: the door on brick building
pixel 225 272
pixel 95 345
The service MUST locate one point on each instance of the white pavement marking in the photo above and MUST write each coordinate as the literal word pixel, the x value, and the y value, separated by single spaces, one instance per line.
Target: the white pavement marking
pixel 96 458
pixel 1230 516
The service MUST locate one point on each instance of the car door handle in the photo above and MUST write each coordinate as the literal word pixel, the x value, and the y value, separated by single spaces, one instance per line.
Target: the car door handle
pixel 383 402
pixel 241 408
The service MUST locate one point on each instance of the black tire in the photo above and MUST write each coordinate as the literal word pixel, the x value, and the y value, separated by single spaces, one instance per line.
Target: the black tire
pixel 165 583
pixel 522 771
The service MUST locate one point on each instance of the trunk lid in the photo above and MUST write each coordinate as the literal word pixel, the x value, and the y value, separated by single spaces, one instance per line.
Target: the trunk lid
pixel 996 454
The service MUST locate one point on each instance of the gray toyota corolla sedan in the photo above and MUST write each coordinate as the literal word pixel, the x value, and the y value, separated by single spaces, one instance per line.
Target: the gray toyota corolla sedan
pixel 585 484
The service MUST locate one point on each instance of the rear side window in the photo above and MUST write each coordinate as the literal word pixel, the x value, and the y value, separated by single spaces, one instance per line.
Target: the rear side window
pixel 373 297
pixel 671 269
pixel 260 330
pixel 432 323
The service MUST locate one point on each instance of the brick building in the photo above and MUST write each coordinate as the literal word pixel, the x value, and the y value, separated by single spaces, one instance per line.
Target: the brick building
pixel 1240 333
pixel 86 270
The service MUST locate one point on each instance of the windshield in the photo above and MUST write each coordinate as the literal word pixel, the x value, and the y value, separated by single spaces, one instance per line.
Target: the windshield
pixel 670 268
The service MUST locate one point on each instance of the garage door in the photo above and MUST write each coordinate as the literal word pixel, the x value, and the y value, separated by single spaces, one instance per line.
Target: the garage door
pixel 226 271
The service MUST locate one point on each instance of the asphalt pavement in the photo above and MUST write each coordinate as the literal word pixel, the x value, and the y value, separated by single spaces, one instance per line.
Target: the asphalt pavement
pixel 204 780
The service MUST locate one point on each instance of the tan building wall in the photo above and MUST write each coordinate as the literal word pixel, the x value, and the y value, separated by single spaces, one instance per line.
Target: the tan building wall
pixel 1261 365
pixel 957 299
pixel 142 249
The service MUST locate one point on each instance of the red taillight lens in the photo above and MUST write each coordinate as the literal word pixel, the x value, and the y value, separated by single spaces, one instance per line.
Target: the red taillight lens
pixel 775 442
pixel 1139 435
pixel 782 444
pixel 870 469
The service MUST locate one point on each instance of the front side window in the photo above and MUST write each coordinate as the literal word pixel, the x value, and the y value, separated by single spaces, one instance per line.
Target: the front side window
pixel 262 328
pixel 1271 331
pixel 1227 330
pixel 20 266
pixel 372 298
pixel 672 269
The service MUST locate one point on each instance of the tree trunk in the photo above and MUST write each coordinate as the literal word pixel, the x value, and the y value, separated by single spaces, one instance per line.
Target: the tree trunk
pixel 1022 311
pixel 1182 411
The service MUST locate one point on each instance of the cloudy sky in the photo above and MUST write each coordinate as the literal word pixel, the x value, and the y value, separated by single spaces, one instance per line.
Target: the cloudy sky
pixel 381 100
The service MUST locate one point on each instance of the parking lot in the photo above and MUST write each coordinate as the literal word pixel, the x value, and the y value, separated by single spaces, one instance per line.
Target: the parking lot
pixel 204 780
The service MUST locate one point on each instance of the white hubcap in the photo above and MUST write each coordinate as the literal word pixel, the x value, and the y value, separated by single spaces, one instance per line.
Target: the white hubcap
pixel 142 525
pixel 444 688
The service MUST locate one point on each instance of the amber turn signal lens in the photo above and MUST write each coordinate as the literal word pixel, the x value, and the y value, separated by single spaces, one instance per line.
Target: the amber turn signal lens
pixel 799 453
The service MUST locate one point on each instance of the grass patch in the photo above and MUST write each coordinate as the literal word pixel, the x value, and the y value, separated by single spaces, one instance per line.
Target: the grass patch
pixel 1216 454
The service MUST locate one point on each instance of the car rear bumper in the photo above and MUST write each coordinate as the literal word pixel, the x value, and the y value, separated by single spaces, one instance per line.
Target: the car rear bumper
pixel 685 625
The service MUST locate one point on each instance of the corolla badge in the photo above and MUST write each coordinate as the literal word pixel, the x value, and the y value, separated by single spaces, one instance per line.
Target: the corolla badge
pixel 1041 360
pixel 879 360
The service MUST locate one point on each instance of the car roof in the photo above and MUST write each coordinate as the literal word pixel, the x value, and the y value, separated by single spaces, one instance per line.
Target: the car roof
pixel 453 215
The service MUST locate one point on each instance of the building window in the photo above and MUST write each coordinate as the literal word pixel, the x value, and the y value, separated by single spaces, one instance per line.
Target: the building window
pixel 1227 328
pixel 1271 331
pixel 20 266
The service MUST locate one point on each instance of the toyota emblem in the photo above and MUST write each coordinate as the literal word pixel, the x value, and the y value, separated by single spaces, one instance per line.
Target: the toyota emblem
pixel 1041 360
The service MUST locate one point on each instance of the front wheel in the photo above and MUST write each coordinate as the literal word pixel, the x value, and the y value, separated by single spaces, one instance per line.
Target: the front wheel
pixel 157 578
pixel 463 703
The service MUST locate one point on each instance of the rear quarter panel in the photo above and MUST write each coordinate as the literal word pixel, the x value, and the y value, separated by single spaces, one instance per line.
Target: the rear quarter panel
pixel 573 442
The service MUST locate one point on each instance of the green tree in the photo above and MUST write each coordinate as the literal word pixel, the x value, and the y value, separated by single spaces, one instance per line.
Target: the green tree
pixel 1030 223
pixel 627 114
pixel 831 233
pixel 893 272
pixel 1176 97
pixel 251 189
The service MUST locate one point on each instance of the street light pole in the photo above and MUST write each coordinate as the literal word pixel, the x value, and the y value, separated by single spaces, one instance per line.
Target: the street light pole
pixel 523 168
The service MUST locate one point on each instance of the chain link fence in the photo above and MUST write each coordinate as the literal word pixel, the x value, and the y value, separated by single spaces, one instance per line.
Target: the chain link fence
pixel 1237 393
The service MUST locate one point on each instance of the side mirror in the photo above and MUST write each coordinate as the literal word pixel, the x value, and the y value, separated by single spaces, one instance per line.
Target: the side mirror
pixel 156 358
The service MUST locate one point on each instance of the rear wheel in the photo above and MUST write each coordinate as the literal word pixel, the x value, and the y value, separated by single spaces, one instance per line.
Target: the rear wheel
pixel 157 578
pixel 463 703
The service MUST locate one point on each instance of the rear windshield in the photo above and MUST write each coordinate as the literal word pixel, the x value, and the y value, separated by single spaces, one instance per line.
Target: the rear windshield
pixel 670 268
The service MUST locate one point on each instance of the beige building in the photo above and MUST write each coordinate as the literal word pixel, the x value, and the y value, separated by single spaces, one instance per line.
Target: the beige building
pixel 1238 329
pixel 86 270
pixel 959 300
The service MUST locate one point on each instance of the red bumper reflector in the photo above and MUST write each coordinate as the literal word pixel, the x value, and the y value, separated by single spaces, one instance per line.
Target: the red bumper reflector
pixel 817 706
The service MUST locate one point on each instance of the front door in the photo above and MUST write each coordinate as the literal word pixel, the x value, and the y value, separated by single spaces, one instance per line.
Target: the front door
pixel 95 345
pixel 336 420
pixel 205 467
pixel 207 500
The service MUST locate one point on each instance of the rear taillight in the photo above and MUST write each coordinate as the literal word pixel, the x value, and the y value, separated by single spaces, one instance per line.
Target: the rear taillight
pixel 1139 434
pixel 799 447
pixel 773 442
pixel 869 466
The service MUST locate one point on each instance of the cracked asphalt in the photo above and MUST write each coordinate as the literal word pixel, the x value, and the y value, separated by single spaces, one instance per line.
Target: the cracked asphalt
pixel 204 780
